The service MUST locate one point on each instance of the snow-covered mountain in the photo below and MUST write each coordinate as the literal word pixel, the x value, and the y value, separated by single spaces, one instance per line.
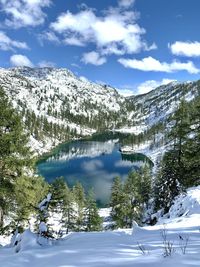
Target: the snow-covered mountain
pixel 158 104
pixel 57 105
pixel 42 89
pixel 60 98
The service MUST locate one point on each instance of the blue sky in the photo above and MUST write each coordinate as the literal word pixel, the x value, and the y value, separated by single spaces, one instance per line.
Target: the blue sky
pixel 132 45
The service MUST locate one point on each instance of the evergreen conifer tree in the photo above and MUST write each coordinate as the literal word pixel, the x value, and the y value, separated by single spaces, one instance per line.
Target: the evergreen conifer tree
pixel 62 202
pixel 14 154
pixel 118 202
pixel 167 186
pixel 93 220
pixel 79 199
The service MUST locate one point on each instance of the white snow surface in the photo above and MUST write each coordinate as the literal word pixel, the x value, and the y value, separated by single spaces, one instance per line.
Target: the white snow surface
pixel 118 248
pixel 47 91
pixel 39 90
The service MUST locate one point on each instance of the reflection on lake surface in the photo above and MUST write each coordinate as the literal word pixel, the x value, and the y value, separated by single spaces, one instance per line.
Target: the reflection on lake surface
pixel 93 164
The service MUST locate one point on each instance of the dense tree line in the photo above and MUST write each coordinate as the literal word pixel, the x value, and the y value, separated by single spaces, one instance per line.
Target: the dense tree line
pixel 130 199
pixel 21 190
pixel 180 167
pixel 78 210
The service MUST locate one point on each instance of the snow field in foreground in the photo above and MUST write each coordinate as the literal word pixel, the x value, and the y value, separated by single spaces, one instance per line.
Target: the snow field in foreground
pixel 139 247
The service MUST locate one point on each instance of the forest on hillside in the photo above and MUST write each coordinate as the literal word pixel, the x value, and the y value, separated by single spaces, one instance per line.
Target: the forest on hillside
pixel 144 193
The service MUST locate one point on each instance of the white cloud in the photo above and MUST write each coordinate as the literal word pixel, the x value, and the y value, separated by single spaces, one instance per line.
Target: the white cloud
pixel 151 47
pixel 126 3
pixel 44 63
pixel 112 49
pixel 8 44
pixel 152 64
pixel 20 61
pixel 76 65
pixel 73 41
pixel 147 86
pixel 84 79
pixel 188 49
pixel 22 13
pixel 125 92
pixel 48 35
pixel 93 58
pixel 115 32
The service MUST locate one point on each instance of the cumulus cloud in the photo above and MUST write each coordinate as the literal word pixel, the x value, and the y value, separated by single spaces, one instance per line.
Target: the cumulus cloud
pixel 114 32
pixel 22 13
pixel 93 58
pixel 84 79
pixel 49 36
pixel 44 63
pixel 126 3
pixel 6 43
pixel 188 49
pixel 125 92
pixel 148 86
pixel 20 61
pixel 152 64
pixel 73 40
pixel 151 47
pixel 76 65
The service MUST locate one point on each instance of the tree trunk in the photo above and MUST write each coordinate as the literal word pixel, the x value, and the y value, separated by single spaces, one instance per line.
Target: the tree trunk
pixel 1 217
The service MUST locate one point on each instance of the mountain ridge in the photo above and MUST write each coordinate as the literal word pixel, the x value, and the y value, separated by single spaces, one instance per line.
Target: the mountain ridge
pixel 56 105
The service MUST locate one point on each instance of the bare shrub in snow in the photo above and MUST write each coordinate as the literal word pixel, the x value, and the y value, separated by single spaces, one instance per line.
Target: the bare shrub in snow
pixel 142 249
pixel 168 246
pixel 183 243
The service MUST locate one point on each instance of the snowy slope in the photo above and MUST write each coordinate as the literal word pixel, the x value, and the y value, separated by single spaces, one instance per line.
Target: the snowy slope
pixel 118 248
pixel 158 104
pixel 37 86
pixel 71 102
pixel 60 97
pixel 121 247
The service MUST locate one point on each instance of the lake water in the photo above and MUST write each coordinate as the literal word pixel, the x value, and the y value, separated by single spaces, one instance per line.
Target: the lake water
pixel 94 164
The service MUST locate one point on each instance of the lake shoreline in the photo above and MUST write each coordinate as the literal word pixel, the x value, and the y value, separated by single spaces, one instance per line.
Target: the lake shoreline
pixel 94 164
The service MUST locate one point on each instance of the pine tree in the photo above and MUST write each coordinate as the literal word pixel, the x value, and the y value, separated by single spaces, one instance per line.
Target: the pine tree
pixel 132 189
pixel 178 135
pixel 14 154
pixel 93 220
pixel 62 202
pixel 118 203
pixel 79 199
pixel 128 201
pixel 145 189
pixel 28 191
pixel 191 148
pixel 167 186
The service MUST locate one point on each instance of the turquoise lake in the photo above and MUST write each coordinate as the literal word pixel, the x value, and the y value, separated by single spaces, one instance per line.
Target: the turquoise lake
pixel 94 164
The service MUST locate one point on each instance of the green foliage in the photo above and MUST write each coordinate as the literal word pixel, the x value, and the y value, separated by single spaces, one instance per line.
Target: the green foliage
pixel 167 186
pixel 93 220
pixel 118 201
pixel 14 154
pixel 128 201
pixel 62 202
pixel 19 192
pixel 181 164
pixel 78 212
pixel 79 198
pixel 28 191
